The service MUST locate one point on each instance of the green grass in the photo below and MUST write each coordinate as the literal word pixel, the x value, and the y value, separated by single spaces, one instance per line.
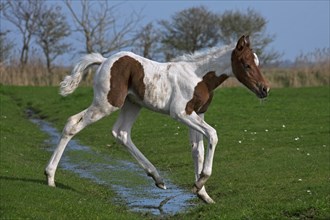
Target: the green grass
pixel 272 160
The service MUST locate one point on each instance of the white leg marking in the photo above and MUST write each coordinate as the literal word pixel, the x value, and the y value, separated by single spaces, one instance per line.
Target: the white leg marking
pixel 122 131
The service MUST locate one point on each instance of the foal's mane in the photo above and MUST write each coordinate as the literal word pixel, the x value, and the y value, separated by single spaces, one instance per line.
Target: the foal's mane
pixel 209 53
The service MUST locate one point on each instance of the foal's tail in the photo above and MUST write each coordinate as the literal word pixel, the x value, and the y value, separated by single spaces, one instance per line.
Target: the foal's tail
pixel 71 82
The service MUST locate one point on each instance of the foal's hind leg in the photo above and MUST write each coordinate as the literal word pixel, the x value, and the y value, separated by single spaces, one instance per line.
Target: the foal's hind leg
pixel 75 124
pixel 122 132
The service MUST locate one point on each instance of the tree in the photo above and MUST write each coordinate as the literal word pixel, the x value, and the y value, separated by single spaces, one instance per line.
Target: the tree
pixel 23 15
pixel 147 41
pixel 53 28
pixel 234 24
pixel 6 47
pixel 101 29
pixel 190 30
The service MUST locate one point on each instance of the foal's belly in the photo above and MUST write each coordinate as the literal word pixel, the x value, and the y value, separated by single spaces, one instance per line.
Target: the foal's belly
pixel 156 98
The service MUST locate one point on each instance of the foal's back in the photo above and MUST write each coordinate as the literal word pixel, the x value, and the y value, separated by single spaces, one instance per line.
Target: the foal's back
pixel 156 86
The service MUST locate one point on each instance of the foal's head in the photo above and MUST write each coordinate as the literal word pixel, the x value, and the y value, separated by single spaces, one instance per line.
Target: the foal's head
pixel 245 66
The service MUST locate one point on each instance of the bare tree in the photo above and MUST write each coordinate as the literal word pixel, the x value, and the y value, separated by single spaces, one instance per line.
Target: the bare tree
pixel 233 24
pixel 23 15
pixel 147 42
pixel 6 47
pixel 190 30
pixel 102 30
pixel 52 29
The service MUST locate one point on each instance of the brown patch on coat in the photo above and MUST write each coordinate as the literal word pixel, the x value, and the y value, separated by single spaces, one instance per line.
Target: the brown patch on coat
pixel 203 93
pixel 126 73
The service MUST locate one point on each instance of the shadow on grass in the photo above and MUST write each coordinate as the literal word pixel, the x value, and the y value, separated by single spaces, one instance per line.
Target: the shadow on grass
pixel 38 181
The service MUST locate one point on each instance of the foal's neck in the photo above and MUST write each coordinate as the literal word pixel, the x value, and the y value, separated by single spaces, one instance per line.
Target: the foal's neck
pixel 219 63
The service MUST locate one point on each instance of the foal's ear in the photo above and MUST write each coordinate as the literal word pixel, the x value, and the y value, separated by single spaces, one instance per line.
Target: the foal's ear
pixel 244 41
pixel 247 40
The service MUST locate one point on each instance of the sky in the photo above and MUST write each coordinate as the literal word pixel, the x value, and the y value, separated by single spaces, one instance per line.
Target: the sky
pixel 298 26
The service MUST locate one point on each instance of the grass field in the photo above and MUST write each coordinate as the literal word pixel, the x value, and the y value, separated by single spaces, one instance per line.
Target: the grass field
pixel 272 160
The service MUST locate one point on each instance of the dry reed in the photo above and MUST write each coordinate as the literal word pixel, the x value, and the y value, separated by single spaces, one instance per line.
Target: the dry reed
pixel 34 73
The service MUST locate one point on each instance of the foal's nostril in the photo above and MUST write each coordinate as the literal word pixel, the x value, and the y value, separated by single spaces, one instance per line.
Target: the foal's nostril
pixel 264 90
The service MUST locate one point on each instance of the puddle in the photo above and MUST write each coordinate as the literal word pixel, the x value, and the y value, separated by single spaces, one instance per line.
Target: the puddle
pixel 127 179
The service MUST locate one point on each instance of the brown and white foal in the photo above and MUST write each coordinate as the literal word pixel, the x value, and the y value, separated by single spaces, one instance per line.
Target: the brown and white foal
pixel 182 89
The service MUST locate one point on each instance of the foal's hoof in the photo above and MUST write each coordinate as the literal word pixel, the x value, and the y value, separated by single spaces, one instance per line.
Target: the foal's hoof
pixel 206 198
pixel 51 184
pixel 161 185
pixel 196 189
pixel 202 194
pixel 50 181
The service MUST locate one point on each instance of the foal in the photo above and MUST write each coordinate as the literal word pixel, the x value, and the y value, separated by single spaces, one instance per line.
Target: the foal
pixel 182 89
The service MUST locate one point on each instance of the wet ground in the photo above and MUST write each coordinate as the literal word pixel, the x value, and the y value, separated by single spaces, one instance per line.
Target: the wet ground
pixel 133 187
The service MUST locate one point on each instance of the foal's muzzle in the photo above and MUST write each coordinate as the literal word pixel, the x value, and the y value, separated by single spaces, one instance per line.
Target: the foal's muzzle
pixel 263 91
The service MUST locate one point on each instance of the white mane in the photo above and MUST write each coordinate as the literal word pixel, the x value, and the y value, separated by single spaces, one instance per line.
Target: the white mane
pixel 209 53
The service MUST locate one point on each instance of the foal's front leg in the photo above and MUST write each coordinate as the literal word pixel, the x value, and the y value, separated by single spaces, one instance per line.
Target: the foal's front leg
pixel 197 123
pixel 196 140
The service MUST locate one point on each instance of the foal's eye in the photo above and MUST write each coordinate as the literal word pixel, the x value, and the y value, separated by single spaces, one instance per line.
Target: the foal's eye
pixel 246 66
